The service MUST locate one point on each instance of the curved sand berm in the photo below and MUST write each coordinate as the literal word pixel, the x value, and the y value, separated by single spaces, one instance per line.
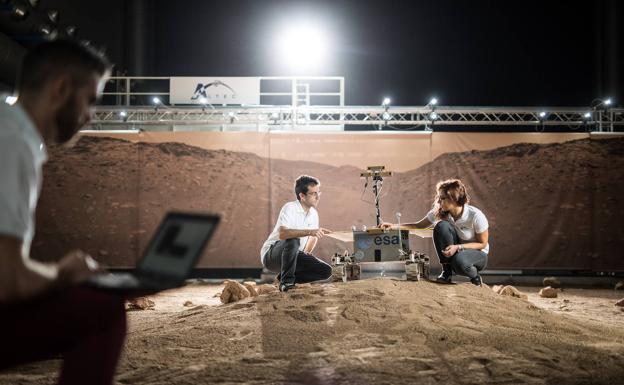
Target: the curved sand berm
pixel 373 331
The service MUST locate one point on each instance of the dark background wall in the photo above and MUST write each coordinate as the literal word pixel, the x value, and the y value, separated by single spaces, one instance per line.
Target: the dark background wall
pixel 466 53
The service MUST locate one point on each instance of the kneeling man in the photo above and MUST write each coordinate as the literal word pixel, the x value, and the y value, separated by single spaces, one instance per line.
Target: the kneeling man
pixel 288 249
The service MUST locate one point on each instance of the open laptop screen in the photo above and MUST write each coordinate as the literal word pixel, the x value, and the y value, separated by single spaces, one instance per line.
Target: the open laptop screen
pixel 177 244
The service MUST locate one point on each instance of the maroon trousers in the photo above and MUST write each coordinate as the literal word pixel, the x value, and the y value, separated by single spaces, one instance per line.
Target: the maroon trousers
pixel 86 326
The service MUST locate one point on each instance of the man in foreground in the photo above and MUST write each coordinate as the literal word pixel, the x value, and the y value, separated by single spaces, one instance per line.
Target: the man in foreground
pixel 44 311
pixel 288 250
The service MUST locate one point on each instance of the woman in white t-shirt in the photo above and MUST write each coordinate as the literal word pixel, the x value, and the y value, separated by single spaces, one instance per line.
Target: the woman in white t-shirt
pixel 460 235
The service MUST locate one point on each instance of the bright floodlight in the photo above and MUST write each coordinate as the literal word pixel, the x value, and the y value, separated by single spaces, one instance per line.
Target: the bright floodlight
pixel 303 46
pixel 587 115
pixel 386 102
pixel 274 115
pixel 433 115
pixel 123 114
pixel 386 116
pixel 10 100
pixel 542 114
pixel 607 102
pixel 155 100
pixel 203 100
pixel 433 101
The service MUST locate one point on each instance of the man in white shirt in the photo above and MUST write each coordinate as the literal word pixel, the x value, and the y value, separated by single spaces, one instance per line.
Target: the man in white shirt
pixel 44 310
pixel 288 250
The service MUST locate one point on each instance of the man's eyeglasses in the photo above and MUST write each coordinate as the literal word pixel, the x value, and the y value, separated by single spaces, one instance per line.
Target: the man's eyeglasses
pixel 314 194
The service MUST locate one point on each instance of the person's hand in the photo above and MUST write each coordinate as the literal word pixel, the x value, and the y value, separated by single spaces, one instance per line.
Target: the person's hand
pixel 386 225
pixel 450 250
pixel 320 232
pixel 76 267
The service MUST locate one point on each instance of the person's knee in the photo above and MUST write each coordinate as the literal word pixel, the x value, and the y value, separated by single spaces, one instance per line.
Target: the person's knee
pixel 442 226
pixel 325 271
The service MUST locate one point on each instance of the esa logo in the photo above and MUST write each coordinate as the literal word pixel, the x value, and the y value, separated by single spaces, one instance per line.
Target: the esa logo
pixel 387 240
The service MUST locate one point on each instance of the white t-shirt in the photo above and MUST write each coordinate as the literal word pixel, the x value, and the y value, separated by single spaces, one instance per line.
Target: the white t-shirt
pixel 22 154
pixel 292 216
pixel 472 221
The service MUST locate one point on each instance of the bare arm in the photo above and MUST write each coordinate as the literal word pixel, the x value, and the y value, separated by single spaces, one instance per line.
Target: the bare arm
pixel 421 224
pixel 286 233
pixel 310 245
pixel 23 278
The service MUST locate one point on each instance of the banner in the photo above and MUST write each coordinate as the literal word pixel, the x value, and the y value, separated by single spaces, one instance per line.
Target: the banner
pixel 552 200
pixel 214 90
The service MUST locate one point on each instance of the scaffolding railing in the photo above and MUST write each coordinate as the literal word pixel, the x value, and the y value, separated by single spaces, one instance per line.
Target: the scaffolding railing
pixel 427 117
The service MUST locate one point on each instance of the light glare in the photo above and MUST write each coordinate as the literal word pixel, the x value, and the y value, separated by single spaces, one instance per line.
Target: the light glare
pixel 303 47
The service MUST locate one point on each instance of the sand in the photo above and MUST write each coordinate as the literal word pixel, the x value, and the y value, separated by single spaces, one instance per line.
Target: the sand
pixel 375 331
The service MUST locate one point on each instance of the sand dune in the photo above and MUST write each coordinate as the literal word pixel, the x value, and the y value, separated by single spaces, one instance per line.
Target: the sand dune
pixel 378 331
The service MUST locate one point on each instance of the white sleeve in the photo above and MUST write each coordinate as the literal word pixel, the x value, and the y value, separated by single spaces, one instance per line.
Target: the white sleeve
pixel 16 169
pixel 286 218
pixel 480 223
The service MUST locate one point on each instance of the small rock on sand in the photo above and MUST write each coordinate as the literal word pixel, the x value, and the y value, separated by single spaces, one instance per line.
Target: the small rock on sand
pixel 233 291
pixel 265 289
pixel 251 286
pixel 619 285
pixel 548 292
pixel 513 292
pixel 553 282
pixel 188 303
pixel 140 303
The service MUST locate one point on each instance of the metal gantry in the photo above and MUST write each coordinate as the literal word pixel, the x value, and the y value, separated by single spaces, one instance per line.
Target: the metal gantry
pixel 129 110
pixel 285 117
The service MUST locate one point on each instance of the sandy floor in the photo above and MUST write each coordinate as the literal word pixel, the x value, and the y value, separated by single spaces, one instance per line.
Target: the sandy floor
pixel 372 331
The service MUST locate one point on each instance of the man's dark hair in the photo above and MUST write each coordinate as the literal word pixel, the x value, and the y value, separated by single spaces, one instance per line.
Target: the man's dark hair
pixel 303 183
pixel 49 60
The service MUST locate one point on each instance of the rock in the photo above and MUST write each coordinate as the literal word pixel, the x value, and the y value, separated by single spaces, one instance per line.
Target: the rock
pixel 140 303
pixel 513 292
pixel 620 303
pixel 233 291
pixel 251 286
pixel 497 288
pixel 265 289
pixel 619 285
pixel 548 292
pixel 552 282
pixel 188 304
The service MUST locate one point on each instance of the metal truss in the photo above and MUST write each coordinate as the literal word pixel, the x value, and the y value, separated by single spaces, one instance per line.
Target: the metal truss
pixel 398 117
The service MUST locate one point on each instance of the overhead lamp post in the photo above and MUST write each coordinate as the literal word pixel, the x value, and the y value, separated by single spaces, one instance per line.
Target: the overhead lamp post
pixel 433 115
pixel 385 103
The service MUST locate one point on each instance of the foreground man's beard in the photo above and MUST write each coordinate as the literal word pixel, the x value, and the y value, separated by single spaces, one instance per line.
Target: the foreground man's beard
pixel 67 123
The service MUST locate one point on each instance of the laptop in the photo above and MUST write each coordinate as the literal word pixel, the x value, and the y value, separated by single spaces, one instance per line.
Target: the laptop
pixel 171 254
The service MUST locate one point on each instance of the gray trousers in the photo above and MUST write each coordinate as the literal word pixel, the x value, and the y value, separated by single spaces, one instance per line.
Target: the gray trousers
pixel 293 265
pixel 467 262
